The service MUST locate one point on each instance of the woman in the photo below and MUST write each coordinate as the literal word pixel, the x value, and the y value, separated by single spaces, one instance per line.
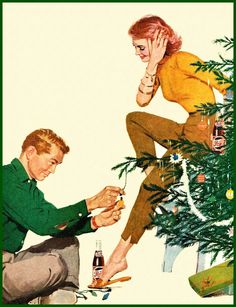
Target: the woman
pixel 169 69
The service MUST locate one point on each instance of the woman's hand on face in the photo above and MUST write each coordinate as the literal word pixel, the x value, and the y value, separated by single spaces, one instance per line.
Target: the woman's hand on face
pixel 157 49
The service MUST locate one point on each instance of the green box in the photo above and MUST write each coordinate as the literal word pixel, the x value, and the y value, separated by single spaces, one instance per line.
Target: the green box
pixel 213 279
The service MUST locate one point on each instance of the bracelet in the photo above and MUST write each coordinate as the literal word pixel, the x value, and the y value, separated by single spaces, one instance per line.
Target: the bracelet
pixel 145 93
pixel 94 224
pixel 146 84
pixel 150 75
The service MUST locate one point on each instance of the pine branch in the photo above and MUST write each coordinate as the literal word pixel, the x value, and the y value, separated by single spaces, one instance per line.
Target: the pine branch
pixel 132 163
pixel 189 147
pixel 210 109
pixel 222 79
pixel 190 233
pixel 224 65
pixel 228 43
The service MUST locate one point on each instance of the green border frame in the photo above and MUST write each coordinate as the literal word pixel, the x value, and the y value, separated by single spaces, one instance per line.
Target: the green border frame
pixel 114 1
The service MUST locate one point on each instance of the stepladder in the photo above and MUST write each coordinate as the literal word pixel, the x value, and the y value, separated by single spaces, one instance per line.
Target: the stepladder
pixel 203 263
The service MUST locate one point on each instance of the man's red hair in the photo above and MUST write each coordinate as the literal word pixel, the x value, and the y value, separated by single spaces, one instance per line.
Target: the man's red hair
pixel 42 140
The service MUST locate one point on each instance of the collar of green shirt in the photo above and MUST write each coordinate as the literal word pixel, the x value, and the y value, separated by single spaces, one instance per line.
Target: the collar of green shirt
pixel 20 171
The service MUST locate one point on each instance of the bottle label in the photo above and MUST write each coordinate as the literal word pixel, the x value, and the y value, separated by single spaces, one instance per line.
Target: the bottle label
pixel 218 144
pixel 98 253
pixel 97 270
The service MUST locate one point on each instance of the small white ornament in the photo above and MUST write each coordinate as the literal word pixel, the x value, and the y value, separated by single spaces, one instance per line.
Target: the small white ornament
pixel 176 158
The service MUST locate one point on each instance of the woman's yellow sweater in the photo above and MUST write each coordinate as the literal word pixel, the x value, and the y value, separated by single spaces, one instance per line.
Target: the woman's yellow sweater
pixel 180 83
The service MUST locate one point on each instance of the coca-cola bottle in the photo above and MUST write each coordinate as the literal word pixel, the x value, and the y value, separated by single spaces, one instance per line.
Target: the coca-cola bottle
pixel 98 260
pixel 218 138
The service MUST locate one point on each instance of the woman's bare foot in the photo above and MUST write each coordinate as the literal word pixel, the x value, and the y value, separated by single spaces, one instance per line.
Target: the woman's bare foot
pixel 113 267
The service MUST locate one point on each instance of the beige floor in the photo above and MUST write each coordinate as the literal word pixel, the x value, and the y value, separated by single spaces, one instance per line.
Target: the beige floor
pixel 149 285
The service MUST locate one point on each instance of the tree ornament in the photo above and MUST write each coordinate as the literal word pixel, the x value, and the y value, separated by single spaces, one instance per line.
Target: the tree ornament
pixel 201 178
pixel 176 158
pixel 175 210
pixel 218 138
pixel 202 125
pixel 230 194
pixel 120 203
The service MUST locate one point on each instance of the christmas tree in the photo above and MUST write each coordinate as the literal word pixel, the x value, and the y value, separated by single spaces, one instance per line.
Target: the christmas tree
pixel 198 207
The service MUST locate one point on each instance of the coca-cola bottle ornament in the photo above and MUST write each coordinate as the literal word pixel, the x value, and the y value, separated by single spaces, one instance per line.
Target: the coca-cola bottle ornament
pixel 98 260
pixel 218 138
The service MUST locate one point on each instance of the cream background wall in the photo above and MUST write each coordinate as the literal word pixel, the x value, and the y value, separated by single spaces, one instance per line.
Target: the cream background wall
pixel 71 67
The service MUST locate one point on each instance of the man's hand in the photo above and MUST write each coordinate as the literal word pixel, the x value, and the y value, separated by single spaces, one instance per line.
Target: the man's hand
pixel 108 217
pixel 106 198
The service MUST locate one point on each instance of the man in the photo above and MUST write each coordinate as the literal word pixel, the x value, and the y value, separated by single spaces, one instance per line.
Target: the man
pixel 49 269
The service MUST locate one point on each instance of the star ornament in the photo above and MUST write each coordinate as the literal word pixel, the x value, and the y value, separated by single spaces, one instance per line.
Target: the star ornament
pixel 176 158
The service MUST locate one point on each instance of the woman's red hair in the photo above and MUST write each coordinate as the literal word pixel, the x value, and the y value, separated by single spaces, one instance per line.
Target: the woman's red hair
pixel 146 27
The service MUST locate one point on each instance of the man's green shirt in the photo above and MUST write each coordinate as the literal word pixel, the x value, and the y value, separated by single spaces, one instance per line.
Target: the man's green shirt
pixel 24 209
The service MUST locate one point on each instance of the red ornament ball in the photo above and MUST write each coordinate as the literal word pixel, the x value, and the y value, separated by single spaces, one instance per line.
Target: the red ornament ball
pixel 201 178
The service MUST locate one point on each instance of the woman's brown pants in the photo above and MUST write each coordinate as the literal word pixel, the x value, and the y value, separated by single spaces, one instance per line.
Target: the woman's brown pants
pixel 144 129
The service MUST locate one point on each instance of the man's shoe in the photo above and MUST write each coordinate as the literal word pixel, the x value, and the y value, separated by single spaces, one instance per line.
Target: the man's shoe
pixel 35 301
pixel 59 296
